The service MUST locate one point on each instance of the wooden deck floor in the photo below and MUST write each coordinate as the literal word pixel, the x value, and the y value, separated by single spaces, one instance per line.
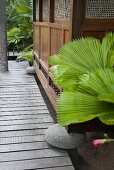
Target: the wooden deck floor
pixel 23 120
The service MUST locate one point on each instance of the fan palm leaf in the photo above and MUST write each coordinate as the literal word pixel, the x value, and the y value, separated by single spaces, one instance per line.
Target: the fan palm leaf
pixel 62 80
pixel 23 7
pixel 83 56
pixel 98 82
pixel 94 97
pixel 78 107
pixel 84 69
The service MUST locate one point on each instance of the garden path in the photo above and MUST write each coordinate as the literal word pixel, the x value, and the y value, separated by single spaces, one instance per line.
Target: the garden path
pixel 24 118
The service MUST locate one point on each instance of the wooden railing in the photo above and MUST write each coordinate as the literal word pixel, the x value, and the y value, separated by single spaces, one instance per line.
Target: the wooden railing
pixel 47 40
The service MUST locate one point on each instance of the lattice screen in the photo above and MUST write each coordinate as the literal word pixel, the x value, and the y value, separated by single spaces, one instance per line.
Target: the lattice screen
pixel 37 9
pixel 100 9
pixel 62 9
pixel 45 10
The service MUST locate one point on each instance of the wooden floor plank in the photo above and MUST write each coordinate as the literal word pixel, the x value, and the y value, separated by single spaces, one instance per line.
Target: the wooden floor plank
pixel 35 104
pixel 24 101
pixel 31 98
pixel 59 168
pixel 26 121
pixel 26 108
pixel 25 126
pixel 31 154
pixel 24 118
pixel 21 132
pixel 22 139
pixel 36 163
pixel 24 112
pixel 23 147
pixel 19 95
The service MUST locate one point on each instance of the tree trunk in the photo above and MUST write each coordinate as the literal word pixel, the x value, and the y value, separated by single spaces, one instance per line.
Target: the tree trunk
pixel 3 38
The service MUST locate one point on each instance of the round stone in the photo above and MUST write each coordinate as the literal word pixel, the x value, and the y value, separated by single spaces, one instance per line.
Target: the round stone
pixel 57 136
pixel 30 70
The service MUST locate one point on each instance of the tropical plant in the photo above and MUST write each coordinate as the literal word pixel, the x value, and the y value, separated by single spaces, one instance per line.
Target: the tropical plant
pixel 19 24
pixel 84 70
pixel 11 15
pixel 28 56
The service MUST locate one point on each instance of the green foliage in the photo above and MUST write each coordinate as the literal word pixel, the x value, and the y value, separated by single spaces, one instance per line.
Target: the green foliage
pixel 29 48
pixel 19 20
pixel 28 56
pixel 84 69
pixel 23 7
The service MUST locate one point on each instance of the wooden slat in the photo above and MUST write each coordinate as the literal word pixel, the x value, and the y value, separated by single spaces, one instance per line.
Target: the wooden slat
pixel 25 126
pixel 21 139
pixel 24 112
pixel 15 105
pixel 40 11
pixel 20 95
pixel 24 102
pixel 24 118
pixel 77 18
pixel 53 25
pixel 21 132
pixel 18 92
pixel 29 108
pixel 59 168
pixel 49 91
pixel 34 10
pixel 31 98
pixel 33 154
pixel 23 147
pixel 25 121
pixel 36 163
pixel 51 10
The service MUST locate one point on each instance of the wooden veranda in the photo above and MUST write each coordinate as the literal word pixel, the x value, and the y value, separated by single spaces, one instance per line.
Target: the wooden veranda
pixel 56 22
pixel 24 118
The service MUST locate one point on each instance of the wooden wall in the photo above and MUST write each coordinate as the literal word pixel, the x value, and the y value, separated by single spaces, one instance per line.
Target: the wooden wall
pixel 57 22
pixel 50 33
pixel 82 25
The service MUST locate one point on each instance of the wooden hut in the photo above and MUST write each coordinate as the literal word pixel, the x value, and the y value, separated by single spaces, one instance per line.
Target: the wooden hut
pixel 58 21
pixel 51 30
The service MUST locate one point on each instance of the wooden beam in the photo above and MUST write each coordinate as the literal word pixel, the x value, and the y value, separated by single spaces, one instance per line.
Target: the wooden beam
pixel 51 10
pixel 40 11
pixel 77 17
pixel 34 10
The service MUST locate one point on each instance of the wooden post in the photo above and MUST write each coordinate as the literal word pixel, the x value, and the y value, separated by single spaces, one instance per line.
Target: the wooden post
pixel 34 10
pixel 77 17
pixel 51 10
pixel 40 11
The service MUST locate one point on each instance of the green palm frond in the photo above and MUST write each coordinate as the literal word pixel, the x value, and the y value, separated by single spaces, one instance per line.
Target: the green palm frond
pixel 84 69
pixel 23 7
pixel 94 97
pixel 84 53
pixel 98 82
pixel 62 79
pixel 78 107
pixel 83 56
pixel 107 46
pixel 28 56
pixel 107 97
pixel 107 118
